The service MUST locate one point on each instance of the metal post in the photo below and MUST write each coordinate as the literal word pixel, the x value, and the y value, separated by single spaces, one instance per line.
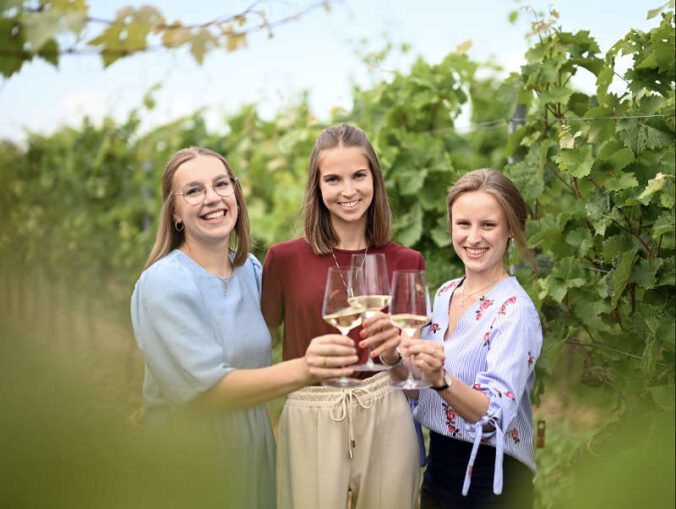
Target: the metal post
pixel 519 118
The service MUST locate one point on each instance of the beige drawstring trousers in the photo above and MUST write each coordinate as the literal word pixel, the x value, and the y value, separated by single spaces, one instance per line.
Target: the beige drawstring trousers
pixel 361 440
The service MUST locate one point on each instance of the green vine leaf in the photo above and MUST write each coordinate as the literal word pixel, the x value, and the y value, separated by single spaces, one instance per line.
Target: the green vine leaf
pixel 578 161
pixel 621 275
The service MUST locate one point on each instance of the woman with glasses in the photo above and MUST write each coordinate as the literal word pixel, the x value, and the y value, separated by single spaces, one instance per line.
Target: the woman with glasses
pixel 207 350
pixel 335 441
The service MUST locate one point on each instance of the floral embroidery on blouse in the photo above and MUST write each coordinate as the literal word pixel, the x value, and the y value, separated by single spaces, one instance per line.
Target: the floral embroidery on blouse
pixel 487 338
pixel 484 304
pixel 501 311
pixel 510 395
pixel 447 287
pixel 530 359
pixel 515 435
pixel 434 328
pixel 450 420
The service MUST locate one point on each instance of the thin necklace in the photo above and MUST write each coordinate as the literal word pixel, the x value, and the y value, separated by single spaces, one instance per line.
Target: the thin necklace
pixel 340 272
pixel 465 297
pixel 222 278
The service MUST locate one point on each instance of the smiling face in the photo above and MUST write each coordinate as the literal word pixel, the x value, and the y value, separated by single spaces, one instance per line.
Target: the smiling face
pixel 346 185
pixel 480 232
pixel 212 221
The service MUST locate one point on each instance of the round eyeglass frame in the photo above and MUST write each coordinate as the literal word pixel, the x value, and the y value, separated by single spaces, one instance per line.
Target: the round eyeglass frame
pixel 233 180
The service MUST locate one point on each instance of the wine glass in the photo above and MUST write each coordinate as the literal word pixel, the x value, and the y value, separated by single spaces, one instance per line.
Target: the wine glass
pixel 340 313
pixel 409 310
pixel 372 292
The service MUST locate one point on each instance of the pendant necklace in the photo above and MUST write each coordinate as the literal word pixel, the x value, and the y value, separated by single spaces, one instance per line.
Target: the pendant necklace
pixel 465 297
pixel 340 272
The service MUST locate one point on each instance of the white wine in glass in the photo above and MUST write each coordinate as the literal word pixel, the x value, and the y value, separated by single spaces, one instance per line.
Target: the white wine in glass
pixel 338 312
pixel 409 310
pixel 372 292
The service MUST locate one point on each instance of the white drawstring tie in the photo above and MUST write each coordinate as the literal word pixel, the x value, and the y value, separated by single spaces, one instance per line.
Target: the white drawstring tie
pixel 343 408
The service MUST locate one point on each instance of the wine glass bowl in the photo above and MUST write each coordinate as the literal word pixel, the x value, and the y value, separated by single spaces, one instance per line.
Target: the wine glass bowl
pixel 409 311
pixel 371 291
pixel 340 313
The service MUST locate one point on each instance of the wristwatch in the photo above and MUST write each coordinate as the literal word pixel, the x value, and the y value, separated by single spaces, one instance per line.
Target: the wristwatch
pixel 448 381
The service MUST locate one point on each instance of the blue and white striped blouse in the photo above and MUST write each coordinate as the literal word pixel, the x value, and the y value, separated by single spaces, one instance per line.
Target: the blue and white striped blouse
pixel 493 350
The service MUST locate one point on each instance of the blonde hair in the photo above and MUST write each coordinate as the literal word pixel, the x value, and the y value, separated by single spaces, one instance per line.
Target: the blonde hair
pixel 168 238
pixel 319 232
pixel 506 194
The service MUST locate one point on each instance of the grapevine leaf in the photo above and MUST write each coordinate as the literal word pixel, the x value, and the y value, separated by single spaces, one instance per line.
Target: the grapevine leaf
pixel 578 161
pixel 557 95
pixel 588 307
pixel 621 181
pixel 528 174
pixel 651 138
pixel 654 185
pixel 622 274
pixel 645 273
pixel 175 35
pixel 201 43
pixel 603 81
pixel 663 224
pixel 41 27
pixel 621 158
pixel 614 245
pixel 440 234
pixel 12 41
pixel 411 180
pixel 654 12
pixel 598 209
pixel 581 240
pixel 409 226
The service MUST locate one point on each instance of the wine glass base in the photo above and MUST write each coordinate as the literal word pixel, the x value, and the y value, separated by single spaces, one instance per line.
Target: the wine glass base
pixel 370 366
pixel 409 384
pixel 343 382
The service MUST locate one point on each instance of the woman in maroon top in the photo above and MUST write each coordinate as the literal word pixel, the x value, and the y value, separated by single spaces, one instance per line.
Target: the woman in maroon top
pixel 334 441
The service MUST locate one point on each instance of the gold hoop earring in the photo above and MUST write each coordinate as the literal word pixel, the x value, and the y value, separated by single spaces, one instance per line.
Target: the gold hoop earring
pixel 176 226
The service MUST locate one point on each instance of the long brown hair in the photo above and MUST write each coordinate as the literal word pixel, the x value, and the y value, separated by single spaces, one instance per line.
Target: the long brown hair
pixel 319 232
pixel 504 191
pixel 168 238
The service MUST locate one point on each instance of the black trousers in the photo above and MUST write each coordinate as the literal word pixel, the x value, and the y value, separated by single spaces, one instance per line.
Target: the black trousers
pixel 445 474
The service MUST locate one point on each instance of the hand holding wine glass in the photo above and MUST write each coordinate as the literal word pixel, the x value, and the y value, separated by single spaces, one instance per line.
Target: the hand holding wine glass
pixel 327 356
pixel 337 310
pixel 372 292
pixel 409 310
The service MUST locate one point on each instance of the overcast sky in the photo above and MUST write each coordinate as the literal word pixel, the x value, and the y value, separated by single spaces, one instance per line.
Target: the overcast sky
pixel 315 53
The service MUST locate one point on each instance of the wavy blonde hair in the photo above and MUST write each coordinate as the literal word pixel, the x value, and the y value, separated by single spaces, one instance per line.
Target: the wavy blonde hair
pixel 168 238
pixel 319 232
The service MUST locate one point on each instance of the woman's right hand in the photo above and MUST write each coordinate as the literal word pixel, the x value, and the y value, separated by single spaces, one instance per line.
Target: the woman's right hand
pixel 428 356
pixel 327 357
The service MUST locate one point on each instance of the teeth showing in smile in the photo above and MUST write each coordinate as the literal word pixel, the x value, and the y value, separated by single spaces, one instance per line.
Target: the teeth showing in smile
pixel 215 214
pixel 349 204
pixel 473 251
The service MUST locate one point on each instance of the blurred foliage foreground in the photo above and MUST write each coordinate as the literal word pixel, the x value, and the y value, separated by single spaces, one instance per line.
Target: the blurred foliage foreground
pixel 597 171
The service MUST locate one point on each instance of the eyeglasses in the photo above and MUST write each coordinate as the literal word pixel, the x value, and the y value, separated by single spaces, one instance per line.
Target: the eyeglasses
pixel 194 194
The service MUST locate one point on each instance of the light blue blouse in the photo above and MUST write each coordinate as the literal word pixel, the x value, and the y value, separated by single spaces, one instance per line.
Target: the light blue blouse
pixel 193 328
pixel 493 350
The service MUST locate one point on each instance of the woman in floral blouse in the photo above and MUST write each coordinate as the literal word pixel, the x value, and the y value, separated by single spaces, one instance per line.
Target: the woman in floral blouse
pixel 486 338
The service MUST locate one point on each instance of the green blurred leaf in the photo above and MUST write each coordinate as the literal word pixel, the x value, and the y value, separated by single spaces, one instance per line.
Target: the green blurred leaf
pixel 663 224
pixel 622 274
pixel 645 271
pixel 578 161
pixel 409 226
